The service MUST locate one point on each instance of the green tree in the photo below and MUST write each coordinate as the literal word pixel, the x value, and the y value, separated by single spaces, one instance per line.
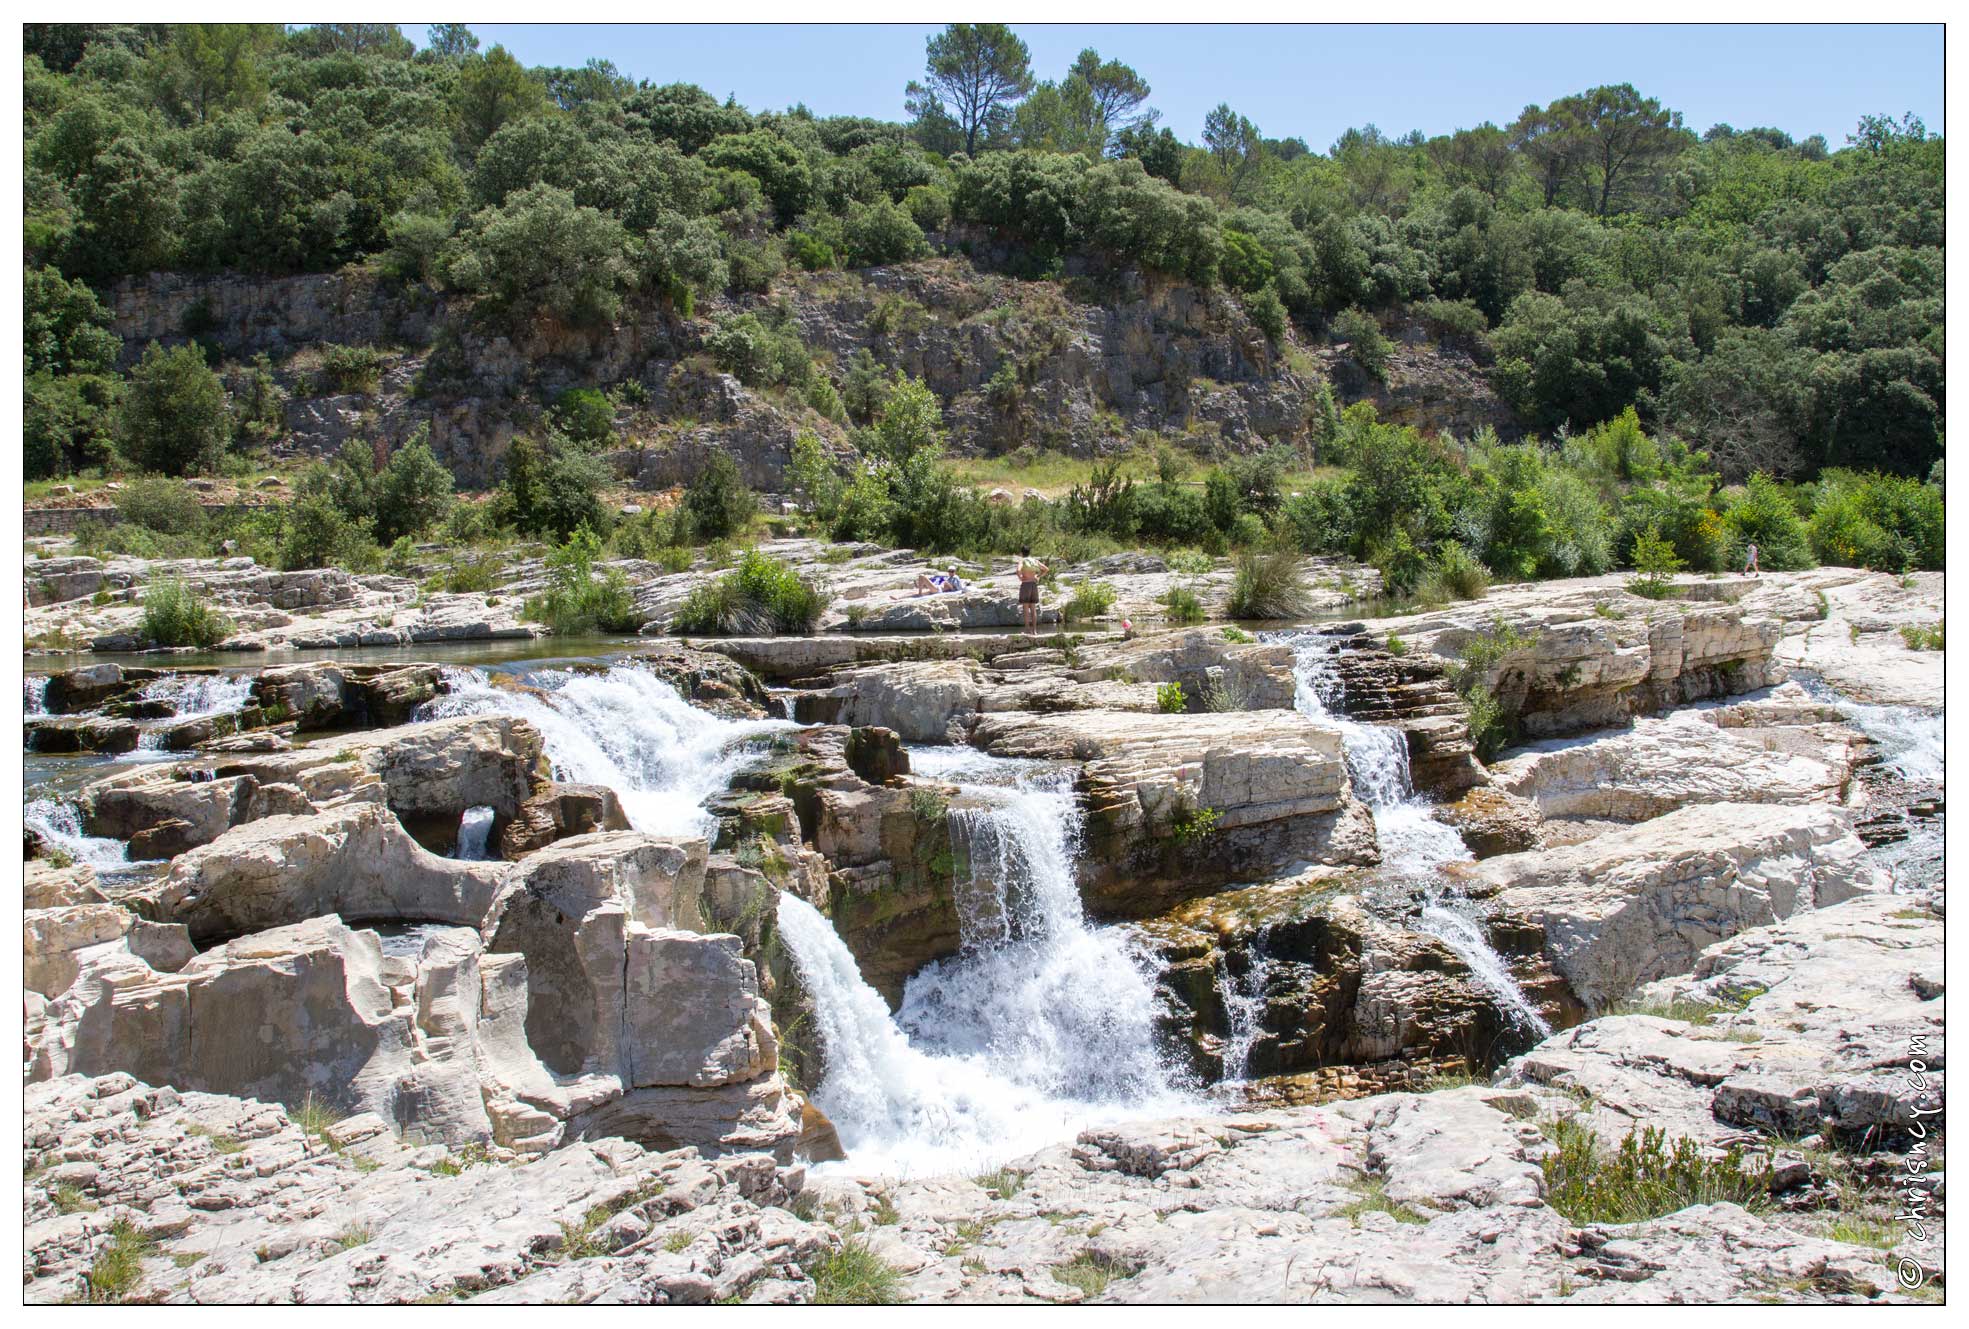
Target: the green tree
pixel 540 252
pixel 413 493
pixel 719 503
pixel 212 67
pixel 978 70
pixel 450 41
pixel 1117 90
pixel 173 418
pixel 492 90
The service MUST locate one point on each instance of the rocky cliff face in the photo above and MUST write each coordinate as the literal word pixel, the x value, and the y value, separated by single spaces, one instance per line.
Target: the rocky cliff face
pixel 1077 366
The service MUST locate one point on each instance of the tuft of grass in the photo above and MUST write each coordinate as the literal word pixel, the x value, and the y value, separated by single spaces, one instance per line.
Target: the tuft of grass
pixel 854 1275
pixel 69 1199
pixel 1371 1197
pixel 352 1236
pixel 1269 584
pixel 315 1117
pixel 582 1241
pixel 928 806
pixel 1002 1183
pixel 175 616
pixel 1090 1272
pixel 886 1213
pixel 677 1241
pixel 1396 646
pixel 1183 606
pixel 1643 1177
pixel 1923 639
pixel 1456 575
pixel 117 1270
pixel 1606 609
pixel 1238 636
pixel 1169 698
pixel 760 595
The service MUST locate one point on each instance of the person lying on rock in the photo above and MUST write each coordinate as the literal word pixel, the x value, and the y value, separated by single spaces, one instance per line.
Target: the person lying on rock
pixel 935 583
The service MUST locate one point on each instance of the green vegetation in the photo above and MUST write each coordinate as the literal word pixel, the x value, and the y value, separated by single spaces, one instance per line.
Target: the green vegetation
pixel 1090 599
pixel 1183 606
pixel 174 615
pixel 1194 826
pixel 1003 1183
pixel 1169 698
pixel 1490 726
pixel 1923 638
pixel 760 595
pixel 854 1275
pixel 1090 1272
pixel 1717 338
pixel 352 1236
pixel 1269 585
pixel 1371 1197
pixel 576 600
pixel 1644 1177
pixel 117 1270
pixel 1656 561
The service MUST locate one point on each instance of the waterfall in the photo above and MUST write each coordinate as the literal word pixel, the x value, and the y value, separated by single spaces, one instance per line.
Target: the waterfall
pixel 1414 841
pixel 625 728
pixel 193 697
pixel 1465 936
pixel 34 695
pixel 1909 738
pixel 60 824
pixel 1040 1026
pixel 1244 1010
pixel 474 833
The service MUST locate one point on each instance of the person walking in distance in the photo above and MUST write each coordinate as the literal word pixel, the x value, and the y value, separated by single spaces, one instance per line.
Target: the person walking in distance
pixel 1030 571
pixel 1750 562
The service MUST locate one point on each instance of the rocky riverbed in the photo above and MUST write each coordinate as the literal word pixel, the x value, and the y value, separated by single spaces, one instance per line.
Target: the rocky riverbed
pixel 1180 963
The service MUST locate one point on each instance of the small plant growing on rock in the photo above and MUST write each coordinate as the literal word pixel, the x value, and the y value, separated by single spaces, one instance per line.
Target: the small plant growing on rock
pixel 1396 646
pixel 761 594
pixel 1003 1183
pixel 117 1270
pixel 854 1275
pixel 1238 636
pixel 1372 1198
pixel 1090 1271
pixel 1922 639
pixel 69 1199
pixel 1268 585
pixel 1169 698
pixel 576 600
pixel 1183 606
pixel 175 616
pixel 1657 563
pixel 1194 826
pixel 928 806
pixel 352 1236
pixel 1090 599
pixel 1644 1177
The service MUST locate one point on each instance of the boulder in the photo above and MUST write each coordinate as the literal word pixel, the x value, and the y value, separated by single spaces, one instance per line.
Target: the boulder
pixel 920 701
pixel 433 772
pixel 559 812
pixel 1640 903
pixel 88 687
pixel 1493 821
pixel 52 939
pixel 46 886
pixel 354 861
pixel 83 733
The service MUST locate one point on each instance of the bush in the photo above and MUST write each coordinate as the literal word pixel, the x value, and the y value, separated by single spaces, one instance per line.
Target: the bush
pixel 1655 559
pixel 1183 606
pixel 1456 575
pixel 760 595
pixel 1877 521
pixel 173 418
pixel 576 600
pixel 317 534
pixel 1268 312
pixel 1365 343
pixel 175 616
pixel 718 501
pixel 1169 698
pixel 881 232
pixel 555 488
pixel 1644 1178
pixel 413 493
pixel 1763 515
pixel 1090 599
pixel 350 368
pixel 585 415
pixel 1923 639
pixel 1270 585
pixel 1401 565
pixel 158 503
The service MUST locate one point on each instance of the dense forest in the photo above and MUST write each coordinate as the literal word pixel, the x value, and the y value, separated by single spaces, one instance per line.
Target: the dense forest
pixel 1743 303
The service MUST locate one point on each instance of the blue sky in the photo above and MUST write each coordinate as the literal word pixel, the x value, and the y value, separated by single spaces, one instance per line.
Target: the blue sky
pixel 1315 82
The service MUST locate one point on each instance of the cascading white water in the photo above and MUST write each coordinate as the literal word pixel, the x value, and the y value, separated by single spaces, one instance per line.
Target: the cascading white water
pixel 1465 936
pixel 60 824
pixel 1040 1026
pixel 34 696
pixel 474 833
pixel 1909 739
pixel 625 728
pixel 1413 840
pixel 193 697
pixel 1244 1010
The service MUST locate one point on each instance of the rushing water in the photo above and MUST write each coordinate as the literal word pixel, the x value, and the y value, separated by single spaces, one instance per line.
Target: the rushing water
pixel 1244 1009
pixel 625 728
pixel 1041 1025
pixel 474 833
pixel 60 824
pixel 192 697
pixel 34 695
pixel 1414 842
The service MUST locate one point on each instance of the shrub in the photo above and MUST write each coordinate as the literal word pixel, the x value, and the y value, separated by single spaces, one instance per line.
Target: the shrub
pixel 173 418
pixel 175 616
pixel 1644 1177
pixel 1090 599
pixel 718 501
pixel 576 600
pixel 1401 564
pixel 1169 698
pixel 881 232
pixel 1238 636
pixel 350 368
pixel 1396 646
pixel 760 595
pixel 1183 606
pixel 1764 515
pixel 317 534
pixel 1457 575
pixel 413 492
pixel 585 415
pixel 1365 344
pixel 1269 585
pixel 1193 826
pixel 1877 521
pixel 158 503
pixel 1655 559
